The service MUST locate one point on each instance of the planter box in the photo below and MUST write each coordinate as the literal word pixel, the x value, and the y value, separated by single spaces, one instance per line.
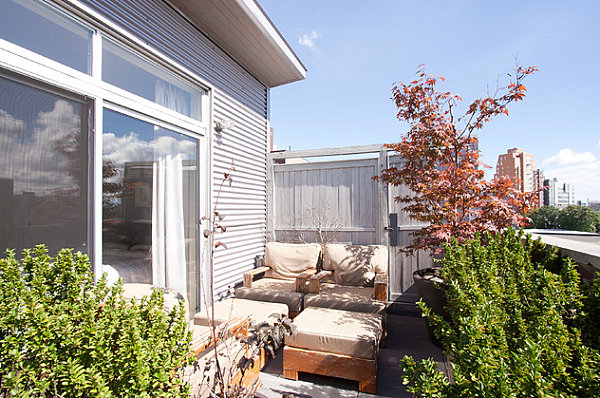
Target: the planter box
pixel 432 289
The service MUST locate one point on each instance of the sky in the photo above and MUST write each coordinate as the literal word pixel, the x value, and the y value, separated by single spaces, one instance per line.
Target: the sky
pixel 355 50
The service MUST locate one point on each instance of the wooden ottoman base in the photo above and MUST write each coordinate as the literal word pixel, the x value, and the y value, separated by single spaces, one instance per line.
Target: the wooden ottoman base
pixel 328 364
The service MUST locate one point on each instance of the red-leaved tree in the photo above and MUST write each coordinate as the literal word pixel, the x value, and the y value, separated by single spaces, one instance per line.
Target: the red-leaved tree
pixel 441 165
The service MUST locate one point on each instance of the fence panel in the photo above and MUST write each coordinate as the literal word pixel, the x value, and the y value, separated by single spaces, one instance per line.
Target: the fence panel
pixel 338 201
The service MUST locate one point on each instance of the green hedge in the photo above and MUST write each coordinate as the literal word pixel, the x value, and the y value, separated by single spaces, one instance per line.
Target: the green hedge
pixel 514 327
pixel 62 335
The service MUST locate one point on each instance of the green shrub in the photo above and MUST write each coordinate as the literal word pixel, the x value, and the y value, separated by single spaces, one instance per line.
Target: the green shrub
pixel 512 329
pixel 61 334
pixel 590 320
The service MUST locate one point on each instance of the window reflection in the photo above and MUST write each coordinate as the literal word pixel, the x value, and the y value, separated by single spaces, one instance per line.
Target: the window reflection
pixel 40 29
pixel 149 203
pixel 130 72
pixel 43 169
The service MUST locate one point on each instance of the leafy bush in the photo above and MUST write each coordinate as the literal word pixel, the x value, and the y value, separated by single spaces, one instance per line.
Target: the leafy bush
pixel 573 218
pixel 545 217
pixel 513 325
pixel 590 321
pixel 61 334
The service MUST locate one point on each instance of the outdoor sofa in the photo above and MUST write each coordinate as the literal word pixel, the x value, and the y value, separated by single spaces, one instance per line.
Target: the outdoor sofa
pixel 354 278
pixel 287 268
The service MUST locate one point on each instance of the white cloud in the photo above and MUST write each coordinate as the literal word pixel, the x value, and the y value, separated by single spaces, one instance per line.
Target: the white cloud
pixel 582 170
pixel 130 148
pixel 10 125
pixel 567 157
pixel 585 177
pixel 38 160
pixel 308 40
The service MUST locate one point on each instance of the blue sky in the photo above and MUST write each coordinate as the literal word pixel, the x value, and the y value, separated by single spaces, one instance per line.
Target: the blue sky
pixel 356 50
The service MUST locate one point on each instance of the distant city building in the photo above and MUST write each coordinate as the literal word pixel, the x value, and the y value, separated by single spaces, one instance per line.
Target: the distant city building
pixel 538 185
pixel 558 194
pixel 520 168
pixel 594 205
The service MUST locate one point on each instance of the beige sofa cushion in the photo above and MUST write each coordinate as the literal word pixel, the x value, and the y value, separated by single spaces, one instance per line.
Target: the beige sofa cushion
pixel 256 311
pixel 274 291
pixel 288 260
pixel 349 298
pixel 355 265
pixel 339 332
pixel 275 284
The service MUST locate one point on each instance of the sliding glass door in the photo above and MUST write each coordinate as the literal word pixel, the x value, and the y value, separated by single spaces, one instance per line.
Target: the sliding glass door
pixel 149 202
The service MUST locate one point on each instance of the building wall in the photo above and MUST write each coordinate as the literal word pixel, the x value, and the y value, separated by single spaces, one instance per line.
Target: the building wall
pixel 161 26
pixel 238 97
pixel 519 167
pixel 538 185
pixel 558 194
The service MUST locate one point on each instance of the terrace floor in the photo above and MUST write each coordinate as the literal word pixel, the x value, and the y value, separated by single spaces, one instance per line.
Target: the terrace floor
pixel 407 335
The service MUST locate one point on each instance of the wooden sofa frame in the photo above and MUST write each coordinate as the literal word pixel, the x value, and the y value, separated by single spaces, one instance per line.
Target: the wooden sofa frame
pixel 329 364
pixel 301 282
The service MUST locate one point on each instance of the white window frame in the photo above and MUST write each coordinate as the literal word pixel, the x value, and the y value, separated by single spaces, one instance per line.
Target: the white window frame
pixel 103 95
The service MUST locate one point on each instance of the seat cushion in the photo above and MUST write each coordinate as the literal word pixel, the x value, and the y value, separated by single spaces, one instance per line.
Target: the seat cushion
pixel 274 284
pixel 288 260
pixel 255 311
pixel 336 331
pixel 273 291
pixel 349 298
pixel 355 265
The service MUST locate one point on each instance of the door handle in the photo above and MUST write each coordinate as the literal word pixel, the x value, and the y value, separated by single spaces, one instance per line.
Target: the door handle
pixel 393 229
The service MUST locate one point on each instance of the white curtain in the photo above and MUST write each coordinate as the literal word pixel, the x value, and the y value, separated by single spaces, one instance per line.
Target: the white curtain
pixel 172 97
pixel 168 234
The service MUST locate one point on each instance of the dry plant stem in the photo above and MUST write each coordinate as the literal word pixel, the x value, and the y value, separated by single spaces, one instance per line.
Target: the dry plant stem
pixel 210 245
pixel 325 227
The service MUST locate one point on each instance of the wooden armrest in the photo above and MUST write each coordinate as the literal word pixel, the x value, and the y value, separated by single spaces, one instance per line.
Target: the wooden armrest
pixel 249 275
pixel 315 281
pixel 380 287
pixel 302 280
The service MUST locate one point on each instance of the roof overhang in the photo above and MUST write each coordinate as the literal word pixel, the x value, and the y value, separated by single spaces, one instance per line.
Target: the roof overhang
pixel 245 32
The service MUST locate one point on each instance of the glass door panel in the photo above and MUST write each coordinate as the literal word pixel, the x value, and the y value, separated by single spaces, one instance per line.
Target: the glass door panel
pixel 150 203
pixel 43 169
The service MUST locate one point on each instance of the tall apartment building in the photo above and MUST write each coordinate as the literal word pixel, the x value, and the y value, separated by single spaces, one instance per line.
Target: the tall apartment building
pixel 538 184
pixel 558 194
pixel 520 168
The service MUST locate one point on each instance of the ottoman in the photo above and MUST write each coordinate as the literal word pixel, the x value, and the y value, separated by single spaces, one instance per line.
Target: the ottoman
pixel 233 309
pixel 336 343
pixel 255 311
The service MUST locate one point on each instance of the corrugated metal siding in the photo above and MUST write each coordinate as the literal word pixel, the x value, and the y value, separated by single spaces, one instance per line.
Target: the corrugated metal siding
pixel 160 26
pixel 238 97
pixel 244 202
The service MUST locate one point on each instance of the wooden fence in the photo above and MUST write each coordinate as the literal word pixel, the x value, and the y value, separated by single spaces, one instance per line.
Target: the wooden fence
pixel 338 201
